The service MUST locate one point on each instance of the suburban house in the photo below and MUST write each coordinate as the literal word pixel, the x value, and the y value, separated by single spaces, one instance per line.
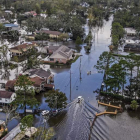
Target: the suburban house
pixel 21 49
pixel 8 12
pixel 7 97
pixel 52 34
pixel 51 49
pixel 31 13
pixel 47 75
pixel 132 47
pixel 11 27
pixel 10 85
pixel 38 84
pixel 61 55
pixel 40 81
pixel 130 31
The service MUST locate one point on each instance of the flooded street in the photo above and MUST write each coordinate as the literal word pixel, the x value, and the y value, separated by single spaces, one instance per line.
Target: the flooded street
pixel 74 123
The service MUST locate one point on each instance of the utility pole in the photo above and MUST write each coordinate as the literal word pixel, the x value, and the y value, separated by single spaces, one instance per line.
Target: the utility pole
pixel 70 85
pixel 80 70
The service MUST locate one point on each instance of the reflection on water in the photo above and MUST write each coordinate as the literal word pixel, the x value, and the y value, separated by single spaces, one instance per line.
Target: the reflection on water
pixel 74 123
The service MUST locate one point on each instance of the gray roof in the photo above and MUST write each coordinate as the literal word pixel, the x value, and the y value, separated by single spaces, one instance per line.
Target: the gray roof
pixel 40 72
pixel 53 48
pixel 63 50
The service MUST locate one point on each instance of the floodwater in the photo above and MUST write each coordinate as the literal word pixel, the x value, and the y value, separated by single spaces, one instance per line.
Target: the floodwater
pixel 74 123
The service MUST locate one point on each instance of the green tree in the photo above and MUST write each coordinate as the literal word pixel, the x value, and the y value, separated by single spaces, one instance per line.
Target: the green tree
pixel 26 122
pixel 134 105
pixel 115 77
pixel 1 26
pixel 117 33
pixel 78 41
pixel 37 8
pixel 25 93
pixel 56 99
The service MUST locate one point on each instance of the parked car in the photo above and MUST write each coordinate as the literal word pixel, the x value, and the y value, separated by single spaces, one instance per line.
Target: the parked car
pixel 45 112
pixel 54 112
pixel 79 99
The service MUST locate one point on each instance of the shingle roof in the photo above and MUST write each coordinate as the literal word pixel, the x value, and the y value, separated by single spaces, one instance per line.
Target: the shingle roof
pixel 40 72
pixel 63 50
pixel 22 46
pixel 10 83
pixel 37 81
pixel 5 94
pixel 53 48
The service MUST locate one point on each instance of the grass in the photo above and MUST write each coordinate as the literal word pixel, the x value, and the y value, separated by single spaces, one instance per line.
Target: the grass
pixel 74 60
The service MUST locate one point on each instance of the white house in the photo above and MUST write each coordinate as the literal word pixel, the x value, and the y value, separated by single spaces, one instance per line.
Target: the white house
pixel 130 31
pixel 12 27
pixel 7 97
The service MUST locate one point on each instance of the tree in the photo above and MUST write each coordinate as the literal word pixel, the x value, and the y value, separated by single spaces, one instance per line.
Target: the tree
pixel 117 33
pixel 56 99
pixel 78 41
pixel 1 26
pixel 25 93
pixel 10 112
pixel 63 36
pixel 26 122
pixel 115 77
pixel 37 8
pixel 134 105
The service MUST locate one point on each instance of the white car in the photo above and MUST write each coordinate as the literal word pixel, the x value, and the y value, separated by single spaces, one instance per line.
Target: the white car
pixel 79 99
pixel 45 112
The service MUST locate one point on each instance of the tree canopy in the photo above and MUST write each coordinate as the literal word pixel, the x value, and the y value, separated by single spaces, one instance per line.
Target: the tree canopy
pixel 56 99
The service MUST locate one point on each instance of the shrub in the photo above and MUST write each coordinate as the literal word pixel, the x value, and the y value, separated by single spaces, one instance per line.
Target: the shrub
pixel 134 105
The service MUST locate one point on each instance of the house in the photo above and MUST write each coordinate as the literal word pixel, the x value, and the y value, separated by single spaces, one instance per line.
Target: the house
pixel 130 31
pixel 11 27
pixel 7 97
pixel 38 83
pixel 47 75
pixel 31 13
pixel 132 47
pixel 8 12
pixel 2 20
pixel 132 41
pixel 61 55
pixel 52 34
pixel 21 49
pixel 10 85
pixel 51 49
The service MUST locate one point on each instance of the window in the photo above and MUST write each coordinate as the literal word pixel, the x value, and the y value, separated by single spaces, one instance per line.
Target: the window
pixel 51 59
pixel 0 98
pixel 6 100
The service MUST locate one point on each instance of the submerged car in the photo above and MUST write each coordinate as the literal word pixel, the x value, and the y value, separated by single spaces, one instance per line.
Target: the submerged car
pixel 79 99
pixel 45 112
